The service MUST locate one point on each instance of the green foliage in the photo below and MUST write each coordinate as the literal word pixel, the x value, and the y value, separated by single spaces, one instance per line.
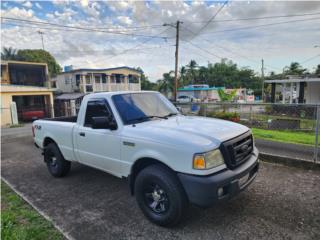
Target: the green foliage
pixel 166 84
pixel 8 54
pixel 226 97
pixel 39 55
pixel 317 71
pixel 231 116
pixel 224 73
pixel 294 69
pixel 145 83
pixel 21 221
pixel 32 55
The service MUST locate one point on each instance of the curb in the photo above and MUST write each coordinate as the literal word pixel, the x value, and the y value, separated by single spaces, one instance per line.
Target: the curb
pixel 289 161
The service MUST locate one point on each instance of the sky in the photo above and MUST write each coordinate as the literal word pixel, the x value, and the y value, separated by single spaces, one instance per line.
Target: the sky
pixel 102 34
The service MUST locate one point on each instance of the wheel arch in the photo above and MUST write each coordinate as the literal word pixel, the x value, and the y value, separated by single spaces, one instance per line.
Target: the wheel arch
pixel 47 141
pixel 139 165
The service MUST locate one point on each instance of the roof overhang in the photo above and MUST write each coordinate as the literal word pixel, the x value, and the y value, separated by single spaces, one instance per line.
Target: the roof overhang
pixel 294 80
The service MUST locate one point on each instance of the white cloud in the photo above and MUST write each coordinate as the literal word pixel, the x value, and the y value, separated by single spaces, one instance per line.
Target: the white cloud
pixel 124 19
pixel 16 12
pixel 38 5
pixel 118 5
pixel 27 4
pixel 278 45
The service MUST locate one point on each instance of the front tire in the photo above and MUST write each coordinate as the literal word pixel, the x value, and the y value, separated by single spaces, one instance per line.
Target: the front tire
pixel 57 165
pixel 160 195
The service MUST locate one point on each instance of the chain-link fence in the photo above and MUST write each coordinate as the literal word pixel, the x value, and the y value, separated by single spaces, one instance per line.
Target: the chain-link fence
pixel 286 124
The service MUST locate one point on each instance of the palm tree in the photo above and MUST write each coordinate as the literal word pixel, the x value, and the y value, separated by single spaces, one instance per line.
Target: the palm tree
pixel 294 69
pixel 192 66
pixel 183 72
pixel 166 83
pixel 9 53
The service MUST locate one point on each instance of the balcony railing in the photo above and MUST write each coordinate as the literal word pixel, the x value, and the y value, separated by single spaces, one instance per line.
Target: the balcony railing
pixel 114 87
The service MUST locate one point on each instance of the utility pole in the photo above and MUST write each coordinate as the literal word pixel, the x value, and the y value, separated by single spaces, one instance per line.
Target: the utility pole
pixel 176 64
pixel 176 69
pixel 262 78
pixel 41 34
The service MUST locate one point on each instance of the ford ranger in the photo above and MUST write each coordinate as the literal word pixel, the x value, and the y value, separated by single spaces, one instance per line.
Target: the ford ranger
pixel 170 160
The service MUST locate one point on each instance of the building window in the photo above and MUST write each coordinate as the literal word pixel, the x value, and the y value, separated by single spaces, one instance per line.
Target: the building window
pixel 88 79
pixel 78 79
pixel 89 88
pixel 104 78
pixel 133 78
pixel 66 80
pixel 97 79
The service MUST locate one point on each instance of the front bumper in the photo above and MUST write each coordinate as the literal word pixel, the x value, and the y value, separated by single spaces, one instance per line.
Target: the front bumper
pixel 203 190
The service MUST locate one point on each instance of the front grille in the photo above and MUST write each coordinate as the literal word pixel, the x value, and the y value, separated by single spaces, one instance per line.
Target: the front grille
pixel 237 150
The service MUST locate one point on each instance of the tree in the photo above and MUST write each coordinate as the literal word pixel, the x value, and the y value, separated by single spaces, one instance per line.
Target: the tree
pixel 145 83
pixel 192 70
pixel 294 69
pixel 39 55
pixel 166 84
pixel 317 70
pixel 8 53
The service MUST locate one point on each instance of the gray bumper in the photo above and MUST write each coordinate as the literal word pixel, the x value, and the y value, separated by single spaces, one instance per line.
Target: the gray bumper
pixel 203 190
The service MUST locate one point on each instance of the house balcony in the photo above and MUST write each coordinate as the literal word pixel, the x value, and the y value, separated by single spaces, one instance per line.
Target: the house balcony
pixel 111 87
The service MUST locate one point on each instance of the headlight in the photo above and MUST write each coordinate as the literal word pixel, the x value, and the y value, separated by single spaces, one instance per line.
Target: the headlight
pixel 208 160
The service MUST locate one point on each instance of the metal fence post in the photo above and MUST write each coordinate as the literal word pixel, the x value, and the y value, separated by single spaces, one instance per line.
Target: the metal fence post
pixel 316 146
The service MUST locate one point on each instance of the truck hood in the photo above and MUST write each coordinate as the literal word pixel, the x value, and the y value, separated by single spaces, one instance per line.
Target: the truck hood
pixel 187 131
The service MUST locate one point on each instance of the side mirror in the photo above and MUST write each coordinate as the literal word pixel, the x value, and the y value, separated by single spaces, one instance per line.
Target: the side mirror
pixel 179 109
pixel 104 123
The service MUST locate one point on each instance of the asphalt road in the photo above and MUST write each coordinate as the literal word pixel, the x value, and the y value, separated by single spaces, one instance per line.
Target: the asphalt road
pixel 295 151
pixel 283 203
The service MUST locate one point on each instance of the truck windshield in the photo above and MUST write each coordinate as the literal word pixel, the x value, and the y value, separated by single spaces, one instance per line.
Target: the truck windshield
pixel 140 107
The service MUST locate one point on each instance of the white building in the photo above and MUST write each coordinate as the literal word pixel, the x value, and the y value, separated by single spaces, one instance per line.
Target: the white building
pixel 87 80
pixel 295 90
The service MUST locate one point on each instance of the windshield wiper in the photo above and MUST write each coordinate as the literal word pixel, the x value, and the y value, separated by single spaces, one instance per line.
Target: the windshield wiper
pixel 170 114
pixel 147 117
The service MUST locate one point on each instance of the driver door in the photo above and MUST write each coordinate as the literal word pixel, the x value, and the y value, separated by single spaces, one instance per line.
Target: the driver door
pixel 99 148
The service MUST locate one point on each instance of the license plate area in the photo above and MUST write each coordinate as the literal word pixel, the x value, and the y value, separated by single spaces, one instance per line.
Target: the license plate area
pixel 243 180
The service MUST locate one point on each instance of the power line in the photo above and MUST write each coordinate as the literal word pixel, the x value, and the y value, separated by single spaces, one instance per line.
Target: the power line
pixel 213 17
pixel 58 28
pixel 309 59
pixel 259 18
pixel 80 28
pixel 258 26
pixel 101 28
pixel 138 45
pixel 204 50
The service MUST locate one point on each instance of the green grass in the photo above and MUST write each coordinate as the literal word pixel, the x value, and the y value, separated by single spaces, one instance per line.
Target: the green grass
pixel 285 136
pixel 19 221
pixel 16 125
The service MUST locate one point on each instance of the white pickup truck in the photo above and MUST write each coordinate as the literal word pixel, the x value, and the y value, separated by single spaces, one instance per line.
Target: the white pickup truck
pixel 169 159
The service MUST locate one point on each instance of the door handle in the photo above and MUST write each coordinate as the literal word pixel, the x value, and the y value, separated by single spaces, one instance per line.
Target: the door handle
pixel 82 134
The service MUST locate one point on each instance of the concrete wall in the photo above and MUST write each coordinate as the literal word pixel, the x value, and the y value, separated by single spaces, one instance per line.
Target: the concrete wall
pixel 8 91
pixel 71 82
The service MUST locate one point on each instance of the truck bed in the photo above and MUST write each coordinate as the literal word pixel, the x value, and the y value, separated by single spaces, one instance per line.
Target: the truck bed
pixel 63 119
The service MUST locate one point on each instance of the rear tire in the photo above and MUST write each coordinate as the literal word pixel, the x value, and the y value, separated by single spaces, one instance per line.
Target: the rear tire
pixel 57 165
pixel 160 195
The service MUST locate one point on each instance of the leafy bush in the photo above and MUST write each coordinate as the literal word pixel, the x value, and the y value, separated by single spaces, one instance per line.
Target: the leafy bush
pixel 231 116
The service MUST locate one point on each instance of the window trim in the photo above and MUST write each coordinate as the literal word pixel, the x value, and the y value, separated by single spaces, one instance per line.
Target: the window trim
pixel 105 101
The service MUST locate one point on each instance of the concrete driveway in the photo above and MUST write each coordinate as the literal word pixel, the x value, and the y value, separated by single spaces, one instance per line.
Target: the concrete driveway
pixel 283 203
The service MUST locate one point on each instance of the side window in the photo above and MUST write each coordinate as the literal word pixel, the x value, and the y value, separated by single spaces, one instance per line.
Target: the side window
pixel 96 108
